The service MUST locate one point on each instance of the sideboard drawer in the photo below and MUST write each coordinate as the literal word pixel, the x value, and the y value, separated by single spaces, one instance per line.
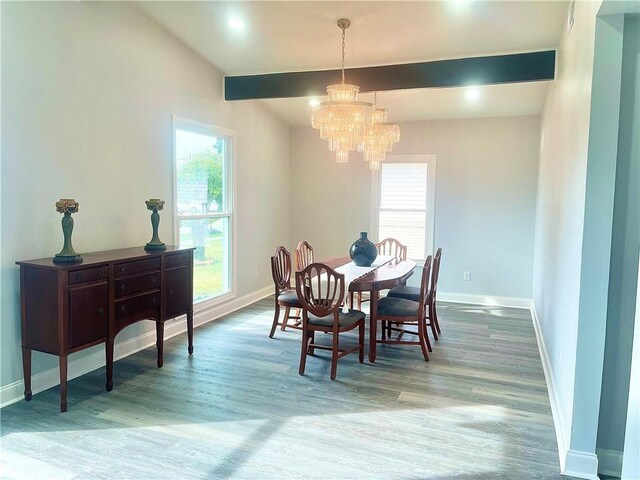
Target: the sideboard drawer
pixel 137 284
pixel 88 275
pixel 135 267
pixel 137 308
pixel 178 259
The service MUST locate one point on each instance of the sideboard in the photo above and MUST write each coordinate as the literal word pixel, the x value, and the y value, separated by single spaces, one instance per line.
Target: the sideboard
pixel 72 306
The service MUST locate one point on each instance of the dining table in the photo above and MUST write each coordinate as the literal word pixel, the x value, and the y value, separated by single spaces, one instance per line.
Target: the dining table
pixel 388 273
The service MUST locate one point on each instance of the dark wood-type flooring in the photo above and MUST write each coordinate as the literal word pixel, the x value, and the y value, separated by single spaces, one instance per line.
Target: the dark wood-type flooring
pixel 238 409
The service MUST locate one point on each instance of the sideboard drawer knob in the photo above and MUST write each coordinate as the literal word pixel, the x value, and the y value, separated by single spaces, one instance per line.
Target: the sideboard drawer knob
pixel 123 286
pixel 101 311
pixel 153 280
pixel 123 269
pixel 78 276
pixel 171 291
pixel 154 300
pixel 156 265
pixel 123 308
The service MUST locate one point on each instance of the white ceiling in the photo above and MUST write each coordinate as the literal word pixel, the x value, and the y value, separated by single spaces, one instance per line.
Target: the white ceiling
pixel 295 36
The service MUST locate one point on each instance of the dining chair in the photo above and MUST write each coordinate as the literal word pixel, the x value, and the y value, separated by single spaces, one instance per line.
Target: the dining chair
pixel 400 312
pixel 285 296
pixel 321 291
pixel 391 247
pixel 304 255
pixel 413 293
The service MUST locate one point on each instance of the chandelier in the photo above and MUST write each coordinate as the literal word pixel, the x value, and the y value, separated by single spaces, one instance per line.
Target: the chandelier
pixel 342 120
pixel 379 138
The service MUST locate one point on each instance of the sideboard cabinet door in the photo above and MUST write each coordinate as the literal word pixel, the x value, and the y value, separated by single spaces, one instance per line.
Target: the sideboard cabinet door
pixel 88 314
pixel 177 291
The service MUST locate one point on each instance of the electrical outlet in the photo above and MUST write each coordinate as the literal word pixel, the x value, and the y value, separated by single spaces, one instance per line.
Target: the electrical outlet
pixel 255 272
pixel 467 276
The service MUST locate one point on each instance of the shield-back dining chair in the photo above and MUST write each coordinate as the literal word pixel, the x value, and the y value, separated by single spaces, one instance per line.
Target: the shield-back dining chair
pixel 321 291
pixel 400 313
pixel 304 255
pixel 285 296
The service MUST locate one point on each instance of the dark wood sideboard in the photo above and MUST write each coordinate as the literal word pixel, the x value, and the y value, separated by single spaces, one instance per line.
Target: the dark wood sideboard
pixel 69 307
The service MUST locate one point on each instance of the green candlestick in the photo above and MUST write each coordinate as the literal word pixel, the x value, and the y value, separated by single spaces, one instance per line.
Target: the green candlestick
pixel 67 206
pixel 155 204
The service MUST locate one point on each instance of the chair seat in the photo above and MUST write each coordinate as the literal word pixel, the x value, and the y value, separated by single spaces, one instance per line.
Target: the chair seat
pixel 403 291
pixel 397 307
pixel 290 297
pixel 344 319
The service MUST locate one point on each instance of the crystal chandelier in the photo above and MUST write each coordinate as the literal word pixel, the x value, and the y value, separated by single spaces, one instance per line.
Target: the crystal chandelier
pixel 342 120
pixel 379 138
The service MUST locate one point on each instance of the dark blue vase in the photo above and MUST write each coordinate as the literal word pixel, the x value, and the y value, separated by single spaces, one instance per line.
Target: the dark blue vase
pixel 362 251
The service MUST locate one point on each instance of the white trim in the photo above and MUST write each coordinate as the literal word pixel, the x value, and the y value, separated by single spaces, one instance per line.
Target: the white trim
pixel 558 420
pixel 487 300
pixel 13 392
pixel 609 462
pixel 581 465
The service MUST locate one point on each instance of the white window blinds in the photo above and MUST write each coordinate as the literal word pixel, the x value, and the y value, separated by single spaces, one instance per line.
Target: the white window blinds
pixel 403 205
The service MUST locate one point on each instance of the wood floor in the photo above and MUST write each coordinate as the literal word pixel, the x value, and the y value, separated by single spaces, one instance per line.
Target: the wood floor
pixel 238 409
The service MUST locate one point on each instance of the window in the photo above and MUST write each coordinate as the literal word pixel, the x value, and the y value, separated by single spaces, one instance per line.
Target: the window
pixel 404 197
pixel 203 204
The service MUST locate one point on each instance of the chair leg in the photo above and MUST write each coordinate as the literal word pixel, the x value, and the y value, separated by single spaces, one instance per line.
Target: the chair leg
pixel 312 337
pixel 303 353
pixel 275 321
pixel 422 334
pixel 361 342
pixel 435 316
pixel 433 323
pixel 286 318
pixel 334 355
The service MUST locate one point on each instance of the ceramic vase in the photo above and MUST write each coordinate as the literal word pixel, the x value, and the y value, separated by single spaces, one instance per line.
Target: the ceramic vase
pixel 363 252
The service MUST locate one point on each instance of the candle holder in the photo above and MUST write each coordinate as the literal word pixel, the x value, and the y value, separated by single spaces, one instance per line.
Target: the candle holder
pixel 155 204
pixel 67 206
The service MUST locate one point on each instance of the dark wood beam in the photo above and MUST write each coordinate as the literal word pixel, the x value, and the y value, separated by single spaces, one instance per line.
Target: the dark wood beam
pixel 513 68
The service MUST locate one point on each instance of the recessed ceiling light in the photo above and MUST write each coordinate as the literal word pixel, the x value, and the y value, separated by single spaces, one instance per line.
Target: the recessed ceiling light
pixel 472 93
pixel 314 102
pixel 236 24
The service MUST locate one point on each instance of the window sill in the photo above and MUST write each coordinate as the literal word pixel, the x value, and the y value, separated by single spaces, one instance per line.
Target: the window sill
pixel 203 305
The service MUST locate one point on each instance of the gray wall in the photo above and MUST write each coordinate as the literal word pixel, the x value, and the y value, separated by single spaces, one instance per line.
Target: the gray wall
pixel 89 90
pixel 623 274
pixel 560 210
pixel 485 198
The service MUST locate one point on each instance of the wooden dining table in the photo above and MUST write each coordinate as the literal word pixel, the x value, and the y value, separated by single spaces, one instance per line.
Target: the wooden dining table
pixel 390 274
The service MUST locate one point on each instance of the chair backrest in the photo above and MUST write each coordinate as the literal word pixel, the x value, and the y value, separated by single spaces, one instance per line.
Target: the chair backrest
pixel 320 289
pixel 425 291
pixel 393 247
pixel 304 255
pixel 435 273
pixel 281 269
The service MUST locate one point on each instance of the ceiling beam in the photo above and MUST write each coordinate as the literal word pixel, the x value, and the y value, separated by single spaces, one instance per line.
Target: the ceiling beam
pixel 518 67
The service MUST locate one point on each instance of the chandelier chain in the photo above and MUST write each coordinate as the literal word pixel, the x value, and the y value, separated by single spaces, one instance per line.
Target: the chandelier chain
pixel 343 44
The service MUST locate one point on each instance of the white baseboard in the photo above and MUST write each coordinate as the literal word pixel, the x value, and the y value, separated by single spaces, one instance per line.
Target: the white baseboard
pixel 609 462
pixel 556 412
pixel 487 300
pixel 14 392
pixel 581 465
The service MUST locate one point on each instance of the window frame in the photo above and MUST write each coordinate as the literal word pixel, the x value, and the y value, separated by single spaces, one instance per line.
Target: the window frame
pixel 229 135
pixel 376 184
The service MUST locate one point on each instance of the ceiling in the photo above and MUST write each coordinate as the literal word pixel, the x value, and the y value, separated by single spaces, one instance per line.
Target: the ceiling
pixel 298 36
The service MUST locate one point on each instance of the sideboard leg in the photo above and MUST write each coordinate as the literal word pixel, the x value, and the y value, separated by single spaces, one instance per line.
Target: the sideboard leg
pixel 109 352
pixel 190 330
pixel 160 341
pixel 63 383
pixel 26 370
